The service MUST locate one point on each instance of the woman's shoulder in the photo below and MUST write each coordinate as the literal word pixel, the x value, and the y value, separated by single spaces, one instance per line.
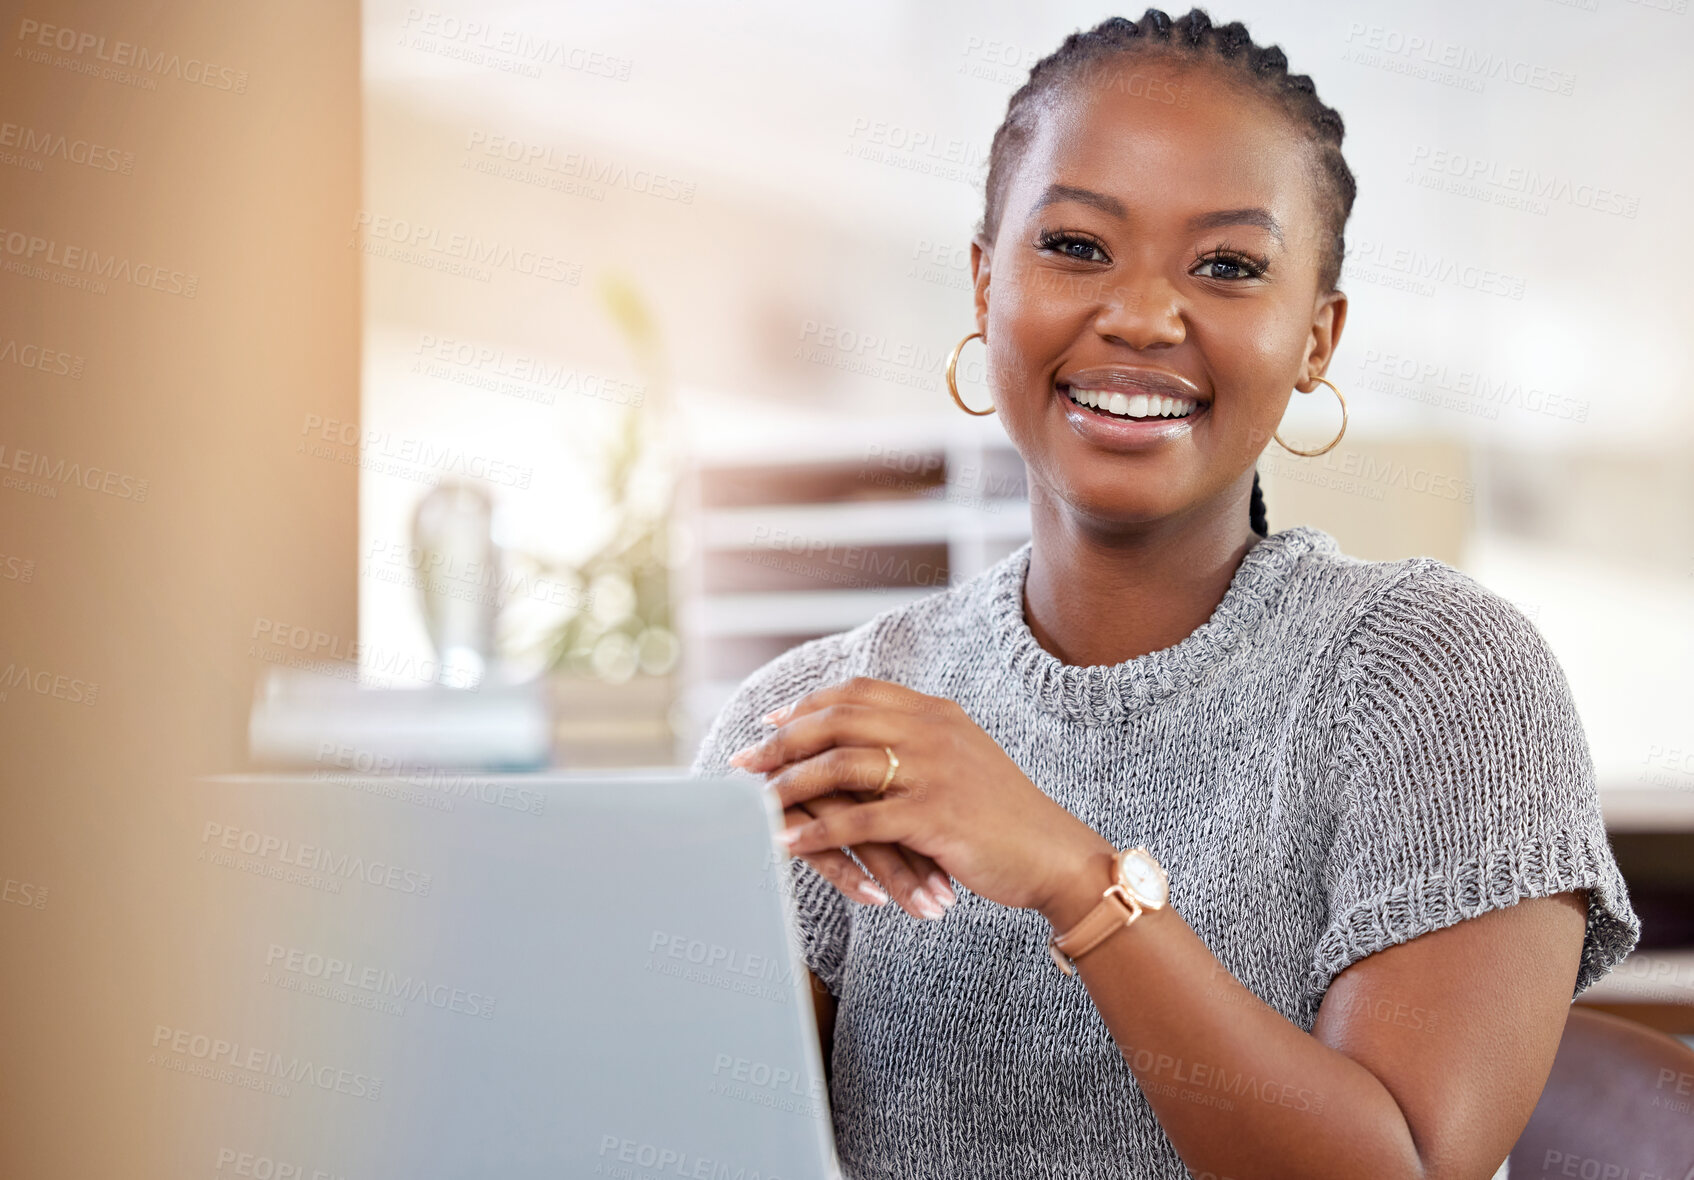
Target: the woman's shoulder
pixel 1419 643
pixel 1413 604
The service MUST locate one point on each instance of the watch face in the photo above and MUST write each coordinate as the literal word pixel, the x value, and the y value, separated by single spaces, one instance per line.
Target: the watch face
pixel 1142 876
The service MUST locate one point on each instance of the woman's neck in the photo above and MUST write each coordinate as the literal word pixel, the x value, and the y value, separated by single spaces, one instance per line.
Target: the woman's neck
pixel 1096 598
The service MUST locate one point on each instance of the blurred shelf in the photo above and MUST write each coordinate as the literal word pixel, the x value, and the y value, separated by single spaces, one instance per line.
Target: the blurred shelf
pixel 804 613
pixel 599 724
pixel 799 522
pixel 1649 977
pixel 1647 809
pixel 860 523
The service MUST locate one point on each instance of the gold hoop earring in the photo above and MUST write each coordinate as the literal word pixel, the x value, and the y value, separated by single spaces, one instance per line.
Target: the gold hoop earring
pixel 1333 441
pixel 952 374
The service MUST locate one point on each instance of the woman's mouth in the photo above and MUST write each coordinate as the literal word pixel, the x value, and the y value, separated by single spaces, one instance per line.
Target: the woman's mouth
pixel 1134 407
pixel 1128 409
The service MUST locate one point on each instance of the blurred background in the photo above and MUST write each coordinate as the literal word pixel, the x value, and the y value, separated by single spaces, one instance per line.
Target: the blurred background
pixel 496 385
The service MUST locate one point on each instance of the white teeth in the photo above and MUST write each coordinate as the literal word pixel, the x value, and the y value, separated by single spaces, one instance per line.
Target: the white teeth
pixel 1140 405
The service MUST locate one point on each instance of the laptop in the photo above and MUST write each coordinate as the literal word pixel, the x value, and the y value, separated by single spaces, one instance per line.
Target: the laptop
pixel 447 974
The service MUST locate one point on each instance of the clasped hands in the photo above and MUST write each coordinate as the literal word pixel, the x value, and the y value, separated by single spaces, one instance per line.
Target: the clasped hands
pixel 957 806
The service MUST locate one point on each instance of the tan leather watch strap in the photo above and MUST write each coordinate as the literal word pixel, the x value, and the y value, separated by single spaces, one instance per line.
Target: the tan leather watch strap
pixel 1116 910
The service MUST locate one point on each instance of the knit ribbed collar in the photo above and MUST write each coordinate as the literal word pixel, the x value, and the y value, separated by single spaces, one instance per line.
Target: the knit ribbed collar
pixel 1099 692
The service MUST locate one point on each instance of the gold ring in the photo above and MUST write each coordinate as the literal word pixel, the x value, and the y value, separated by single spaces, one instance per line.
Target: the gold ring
pixel 893 765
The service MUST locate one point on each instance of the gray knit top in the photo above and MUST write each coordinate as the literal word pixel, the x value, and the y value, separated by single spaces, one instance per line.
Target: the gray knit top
pixel 1346 755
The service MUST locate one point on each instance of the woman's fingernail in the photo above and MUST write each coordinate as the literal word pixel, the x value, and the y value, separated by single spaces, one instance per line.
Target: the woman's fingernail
pixel 742 756
pixel 788 836
pixel 927 905
pixel 875 895
pixel 776 715
pixel 938 884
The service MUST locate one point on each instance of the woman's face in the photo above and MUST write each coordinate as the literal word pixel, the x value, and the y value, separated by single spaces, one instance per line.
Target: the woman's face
pixel 1163 250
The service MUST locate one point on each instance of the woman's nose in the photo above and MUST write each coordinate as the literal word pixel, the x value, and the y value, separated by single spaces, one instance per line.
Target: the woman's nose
pixel 1141 309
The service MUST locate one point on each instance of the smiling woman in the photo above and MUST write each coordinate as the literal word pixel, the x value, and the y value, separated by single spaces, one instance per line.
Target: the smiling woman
pixel 1254 792
pixel 1201 239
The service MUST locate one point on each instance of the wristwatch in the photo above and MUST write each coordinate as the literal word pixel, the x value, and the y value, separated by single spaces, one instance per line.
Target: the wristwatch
pixel 1141 884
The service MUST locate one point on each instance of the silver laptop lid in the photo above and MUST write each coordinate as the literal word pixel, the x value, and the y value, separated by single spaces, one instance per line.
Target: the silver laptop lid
pixel 470 975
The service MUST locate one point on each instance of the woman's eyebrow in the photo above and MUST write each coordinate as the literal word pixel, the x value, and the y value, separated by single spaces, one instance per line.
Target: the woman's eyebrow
pixel 1109 204
pixel 1066 192
pixel 1221 217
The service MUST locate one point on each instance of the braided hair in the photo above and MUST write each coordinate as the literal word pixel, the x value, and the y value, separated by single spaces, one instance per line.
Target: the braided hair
pixel 1262 70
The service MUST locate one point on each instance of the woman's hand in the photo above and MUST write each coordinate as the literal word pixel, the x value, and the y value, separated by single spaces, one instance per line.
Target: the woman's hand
pixel 956 797
pixel 915 881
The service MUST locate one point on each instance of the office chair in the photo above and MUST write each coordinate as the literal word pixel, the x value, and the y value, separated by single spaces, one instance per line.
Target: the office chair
pixel 1619 1105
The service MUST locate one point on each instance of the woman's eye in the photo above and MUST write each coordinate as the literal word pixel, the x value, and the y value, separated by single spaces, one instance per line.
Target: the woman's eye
pixel 1087 251
pixel 1224 266
pixel 1081 249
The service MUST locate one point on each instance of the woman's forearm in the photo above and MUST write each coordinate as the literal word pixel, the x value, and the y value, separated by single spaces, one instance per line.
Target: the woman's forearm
pixel 1242 1092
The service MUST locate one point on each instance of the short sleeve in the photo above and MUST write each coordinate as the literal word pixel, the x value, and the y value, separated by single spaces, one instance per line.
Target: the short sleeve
pixel 820 912
pixel 1464 781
